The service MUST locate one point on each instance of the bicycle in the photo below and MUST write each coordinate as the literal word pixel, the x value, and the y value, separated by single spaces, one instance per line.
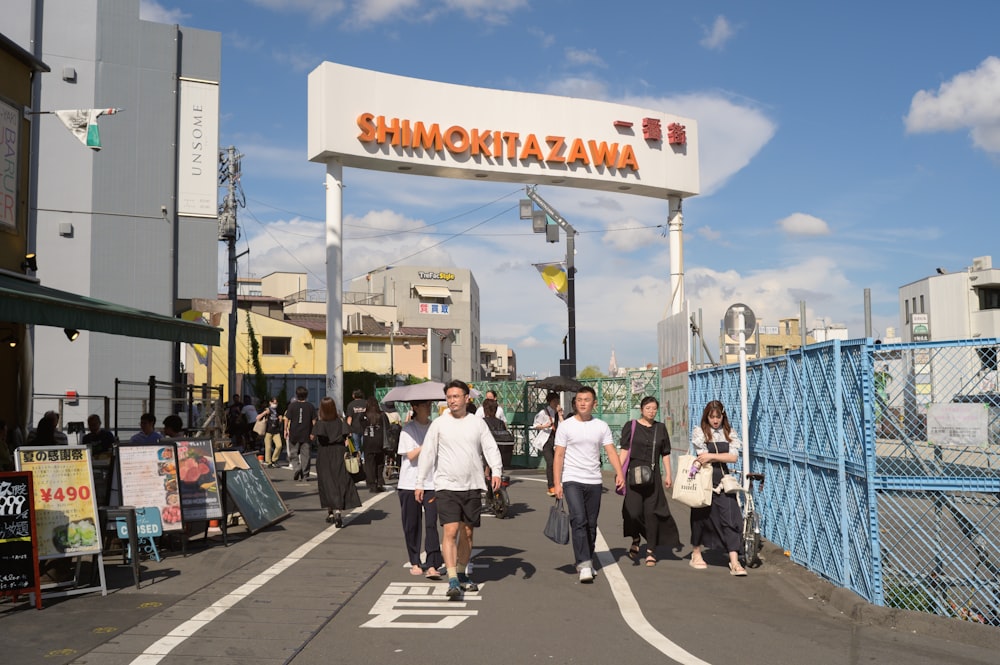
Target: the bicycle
pixel 751 522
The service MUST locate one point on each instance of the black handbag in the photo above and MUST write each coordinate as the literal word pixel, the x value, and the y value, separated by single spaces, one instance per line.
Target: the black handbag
pixel 557 526
pixel 640 475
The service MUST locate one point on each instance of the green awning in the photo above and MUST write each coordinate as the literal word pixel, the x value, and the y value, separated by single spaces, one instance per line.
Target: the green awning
pixel 24 301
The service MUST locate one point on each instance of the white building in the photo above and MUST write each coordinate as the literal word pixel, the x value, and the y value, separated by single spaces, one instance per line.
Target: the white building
pixel 136 223
pixel 433 297
pixel 947 306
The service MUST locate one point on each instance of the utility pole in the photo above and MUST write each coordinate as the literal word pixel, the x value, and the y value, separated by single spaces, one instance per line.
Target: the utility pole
pixel 229 175
pixel 567 366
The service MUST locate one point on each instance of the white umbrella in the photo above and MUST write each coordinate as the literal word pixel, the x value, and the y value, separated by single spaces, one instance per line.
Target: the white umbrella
pixel 429 390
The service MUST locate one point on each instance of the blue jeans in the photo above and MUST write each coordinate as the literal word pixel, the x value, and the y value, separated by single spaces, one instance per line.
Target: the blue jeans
pixel 584 504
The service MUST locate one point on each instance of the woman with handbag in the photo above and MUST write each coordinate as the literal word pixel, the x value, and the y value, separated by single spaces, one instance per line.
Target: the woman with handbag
pixel 336 489
pixel 645 512
pixel 719 526
pixel 374 429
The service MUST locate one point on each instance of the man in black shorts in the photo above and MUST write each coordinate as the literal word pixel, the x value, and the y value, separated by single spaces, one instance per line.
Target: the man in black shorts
pixel 453 450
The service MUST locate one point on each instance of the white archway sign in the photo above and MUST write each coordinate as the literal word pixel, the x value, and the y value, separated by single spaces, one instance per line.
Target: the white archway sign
pixel 371 120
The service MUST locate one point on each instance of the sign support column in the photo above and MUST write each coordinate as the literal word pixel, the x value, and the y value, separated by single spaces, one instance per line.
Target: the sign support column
pixel 335 280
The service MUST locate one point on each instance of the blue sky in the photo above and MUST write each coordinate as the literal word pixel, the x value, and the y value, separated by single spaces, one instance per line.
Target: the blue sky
pixel 844 146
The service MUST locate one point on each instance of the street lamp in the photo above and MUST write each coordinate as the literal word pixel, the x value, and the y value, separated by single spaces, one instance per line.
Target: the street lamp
pixel 540 223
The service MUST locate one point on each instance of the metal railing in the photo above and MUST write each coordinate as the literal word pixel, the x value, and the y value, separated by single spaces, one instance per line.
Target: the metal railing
pixel 875 480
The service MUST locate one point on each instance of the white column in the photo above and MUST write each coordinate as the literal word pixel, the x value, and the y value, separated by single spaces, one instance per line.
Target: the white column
pixel 676 227
pixel 335 282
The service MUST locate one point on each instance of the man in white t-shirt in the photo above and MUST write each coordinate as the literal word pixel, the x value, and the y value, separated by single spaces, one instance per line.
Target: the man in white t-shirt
pixel 411 441
pixel 490 394
pixel 452 454
pixel 577 475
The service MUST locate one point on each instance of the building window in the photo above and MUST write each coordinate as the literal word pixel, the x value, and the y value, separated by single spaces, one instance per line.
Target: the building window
pixel 446 363
pixel 907 304
pixel 772 350
pixel 922 304
pixel 371 347
pixel 989 298
pixel 276 346
pixel 423 356
pixel 458 338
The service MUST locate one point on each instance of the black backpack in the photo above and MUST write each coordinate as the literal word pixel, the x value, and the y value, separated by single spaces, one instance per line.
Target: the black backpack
pixel 392 438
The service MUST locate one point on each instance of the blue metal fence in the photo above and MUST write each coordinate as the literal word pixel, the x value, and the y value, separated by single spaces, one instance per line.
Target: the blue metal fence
pixel 860 488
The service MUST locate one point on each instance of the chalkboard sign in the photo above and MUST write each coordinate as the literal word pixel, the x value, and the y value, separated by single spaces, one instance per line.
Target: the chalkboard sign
pixel 18 553
pixel 255 496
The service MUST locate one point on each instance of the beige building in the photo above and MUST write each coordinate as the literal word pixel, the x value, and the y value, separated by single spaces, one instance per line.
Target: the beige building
pixel 766 342
pixel 289 324
pixel 498 362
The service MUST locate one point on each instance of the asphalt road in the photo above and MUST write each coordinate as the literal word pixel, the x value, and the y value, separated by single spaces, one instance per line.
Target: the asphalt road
pixel 306 592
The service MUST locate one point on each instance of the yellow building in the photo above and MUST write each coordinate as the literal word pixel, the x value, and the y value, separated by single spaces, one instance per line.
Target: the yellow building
pixel 766 341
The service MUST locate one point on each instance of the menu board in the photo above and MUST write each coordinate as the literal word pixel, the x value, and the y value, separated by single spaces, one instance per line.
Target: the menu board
pixel 18 562
pixel 65 506
pixel 148 473
pixel 199 482
pixel 255 496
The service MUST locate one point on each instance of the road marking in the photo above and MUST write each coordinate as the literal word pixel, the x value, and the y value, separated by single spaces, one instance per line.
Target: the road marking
pixel 158 650
pixel 629 608
pixel 420 599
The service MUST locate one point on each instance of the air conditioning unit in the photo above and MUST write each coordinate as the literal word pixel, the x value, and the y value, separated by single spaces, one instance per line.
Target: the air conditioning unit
pixel 982 263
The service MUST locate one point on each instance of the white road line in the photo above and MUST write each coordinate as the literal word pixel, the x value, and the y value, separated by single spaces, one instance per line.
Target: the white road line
pixel 629 606
pixel 162 647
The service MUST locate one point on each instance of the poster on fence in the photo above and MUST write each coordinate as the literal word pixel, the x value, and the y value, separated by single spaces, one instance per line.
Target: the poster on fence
pixel 957 425
pixel 65 505
pixel 149 480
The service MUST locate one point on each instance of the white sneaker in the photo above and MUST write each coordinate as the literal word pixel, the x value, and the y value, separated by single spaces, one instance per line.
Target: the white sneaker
pixel 586 575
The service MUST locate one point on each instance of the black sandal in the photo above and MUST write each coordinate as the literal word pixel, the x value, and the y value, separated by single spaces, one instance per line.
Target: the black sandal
pixel 633 552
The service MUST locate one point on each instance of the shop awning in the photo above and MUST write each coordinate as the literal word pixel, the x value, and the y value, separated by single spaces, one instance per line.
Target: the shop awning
pixel 428 291
pixel 23 301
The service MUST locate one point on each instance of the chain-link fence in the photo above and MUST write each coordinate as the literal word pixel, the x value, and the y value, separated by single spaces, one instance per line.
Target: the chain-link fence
pixel 617 402
pixel 882 466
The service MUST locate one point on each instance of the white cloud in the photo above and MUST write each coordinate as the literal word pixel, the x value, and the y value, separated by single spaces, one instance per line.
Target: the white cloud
pixel 971 99
pixel 708 233
pixel 628 235
pixel 491 11
pixel 802 224
pixel 580 87
pixel 368 12
pixel 717 36
pixel 150 10
pixel 545 39
pixel 575 56
pixel 318 10
pixel 297 60
pixel 729 134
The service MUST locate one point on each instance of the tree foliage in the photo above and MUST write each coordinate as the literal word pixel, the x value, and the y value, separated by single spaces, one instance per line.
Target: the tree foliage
pixel 590 372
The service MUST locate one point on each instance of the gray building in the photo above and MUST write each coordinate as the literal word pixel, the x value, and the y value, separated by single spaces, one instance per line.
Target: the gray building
pixel 135 222
pixel 433 297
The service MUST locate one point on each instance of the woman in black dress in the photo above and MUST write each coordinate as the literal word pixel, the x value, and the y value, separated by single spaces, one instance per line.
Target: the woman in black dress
pixel 375 426
pixel 645 513
pixel 719 526
pixel 336 489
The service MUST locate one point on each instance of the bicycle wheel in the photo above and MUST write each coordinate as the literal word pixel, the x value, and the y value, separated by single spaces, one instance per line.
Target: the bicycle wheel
pixel 501 503
pixel 751 539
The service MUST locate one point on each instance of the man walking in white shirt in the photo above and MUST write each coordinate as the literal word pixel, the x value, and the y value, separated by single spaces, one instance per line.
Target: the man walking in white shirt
pixel 577 475
pixel 452 454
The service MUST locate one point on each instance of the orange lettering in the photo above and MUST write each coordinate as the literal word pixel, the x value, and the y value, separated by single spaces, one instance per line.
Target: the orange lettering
pixel 497 145
pixel 628 158
pixel 407 135
pixel 426 138
pixel 602 154
pixel 463 136
pixel 510 138
pixel 367 128
pixel 556 143
pixel 479 142
pixel 531 148
pixel 578 153
pixel 392 128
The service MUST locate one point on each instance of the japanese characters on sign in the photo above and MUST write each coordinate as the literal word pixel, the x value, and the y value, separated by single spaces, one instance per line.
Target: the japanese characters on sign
pixel 433 308
pixel 66 508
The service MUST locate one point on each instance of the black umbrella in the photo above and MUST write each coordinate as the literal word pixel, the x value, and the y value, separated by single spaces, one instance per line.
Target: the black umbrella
pixel 559 384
